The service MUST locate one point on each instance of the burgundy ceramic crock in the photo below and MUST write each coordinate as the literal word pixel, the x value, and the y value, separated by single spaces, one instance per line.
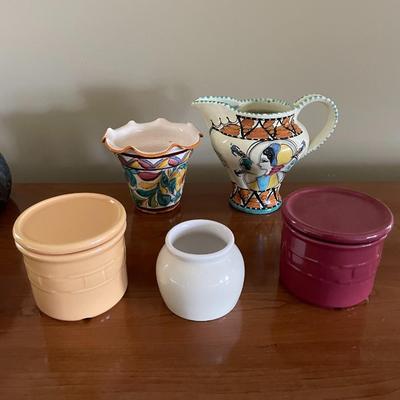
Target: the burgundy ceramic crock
pixel 332 241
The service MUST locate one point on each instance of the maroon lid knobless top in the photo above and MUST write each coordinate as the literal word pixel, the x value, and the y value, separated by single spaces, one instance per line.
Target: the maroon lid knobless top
pixel 337 215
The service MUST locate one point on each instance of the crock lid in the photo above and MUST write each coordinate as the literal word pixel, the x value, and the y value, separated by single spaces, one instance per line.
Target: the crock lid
pixel 337 215
pixel 69 223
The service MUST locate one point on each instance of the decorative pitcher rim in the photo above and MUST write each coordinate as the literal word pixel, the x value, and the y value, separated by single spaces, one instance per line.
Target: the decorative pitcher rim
pixel 234 105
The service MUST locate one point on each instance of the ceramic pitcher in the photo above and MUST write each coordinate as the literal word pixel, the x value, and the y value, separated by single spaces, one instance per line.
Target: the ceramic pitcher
pixel 259 141
pixel 154 157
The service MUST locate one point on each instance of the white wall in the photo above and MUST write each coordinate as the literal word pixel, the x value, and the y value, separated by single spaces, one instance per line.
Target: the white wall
pixel 69 69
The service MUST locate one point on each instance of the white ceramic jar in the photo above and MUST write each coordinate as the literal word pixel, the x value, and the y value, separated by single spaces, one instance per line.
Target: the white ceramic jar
pixel 200 270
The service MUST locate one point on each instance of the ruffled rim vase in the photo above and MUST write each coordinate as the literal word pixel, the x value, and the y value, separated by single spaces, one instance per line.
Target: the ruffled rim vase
pixel 154 157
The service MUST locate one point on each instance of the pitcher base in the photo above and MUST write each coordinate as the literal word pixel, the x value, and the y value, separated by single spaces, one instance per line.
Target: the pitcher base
pixel 255 202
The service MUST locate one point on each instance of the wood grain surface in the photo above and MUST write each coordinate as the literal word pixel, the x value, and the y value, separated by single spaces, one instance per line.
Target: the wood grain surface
pixel 271 346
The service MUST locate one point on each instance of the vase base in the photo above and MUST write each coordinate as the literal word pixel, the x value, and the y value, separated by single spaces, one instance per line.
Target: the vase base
pixel 255 202
pixel 157 210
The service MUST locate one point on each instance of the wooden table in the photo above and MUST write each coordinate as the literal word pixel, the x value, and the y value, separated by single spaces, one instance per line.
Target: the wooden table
pixel 271 346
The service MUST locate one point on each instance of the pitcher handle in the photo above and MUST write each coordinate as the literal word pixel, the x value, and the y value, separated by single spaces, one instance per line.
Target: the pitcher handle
pixel 331 121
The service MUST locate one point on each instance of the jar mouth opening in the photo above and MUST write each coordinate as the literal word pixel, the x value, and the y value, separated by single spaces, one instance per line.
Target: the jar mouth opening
pixel 199 239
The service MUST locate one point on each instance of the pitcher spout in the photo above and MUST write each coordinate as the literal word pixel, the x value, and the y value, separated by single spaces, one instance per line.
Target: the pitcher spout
pixel 217 109
pixel 224 100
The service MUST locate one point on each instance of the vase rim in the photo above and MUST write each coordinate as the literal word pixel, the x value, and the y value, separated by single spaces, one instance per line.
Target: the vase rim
pixel 152 139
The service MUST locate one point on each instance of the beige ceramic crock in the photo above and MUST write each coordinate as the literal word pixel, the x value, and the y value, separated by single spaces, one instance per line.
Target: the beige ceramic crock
pixel 74 252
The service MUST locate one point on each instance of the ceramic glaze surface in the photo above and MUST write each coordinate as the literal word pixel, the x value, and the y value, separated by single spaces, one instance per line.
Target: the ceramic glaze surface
pixel 200 270
pixel 327 274
pixel 331 246
pixel 74 254
pixel 259 141
pixel 154 158
pixel 156 184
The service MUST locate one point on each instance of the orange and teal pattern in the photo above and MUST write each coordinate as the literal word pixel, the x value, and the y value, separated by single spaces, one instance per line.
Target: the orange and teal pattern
pixel 255 202
pixel 259 128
